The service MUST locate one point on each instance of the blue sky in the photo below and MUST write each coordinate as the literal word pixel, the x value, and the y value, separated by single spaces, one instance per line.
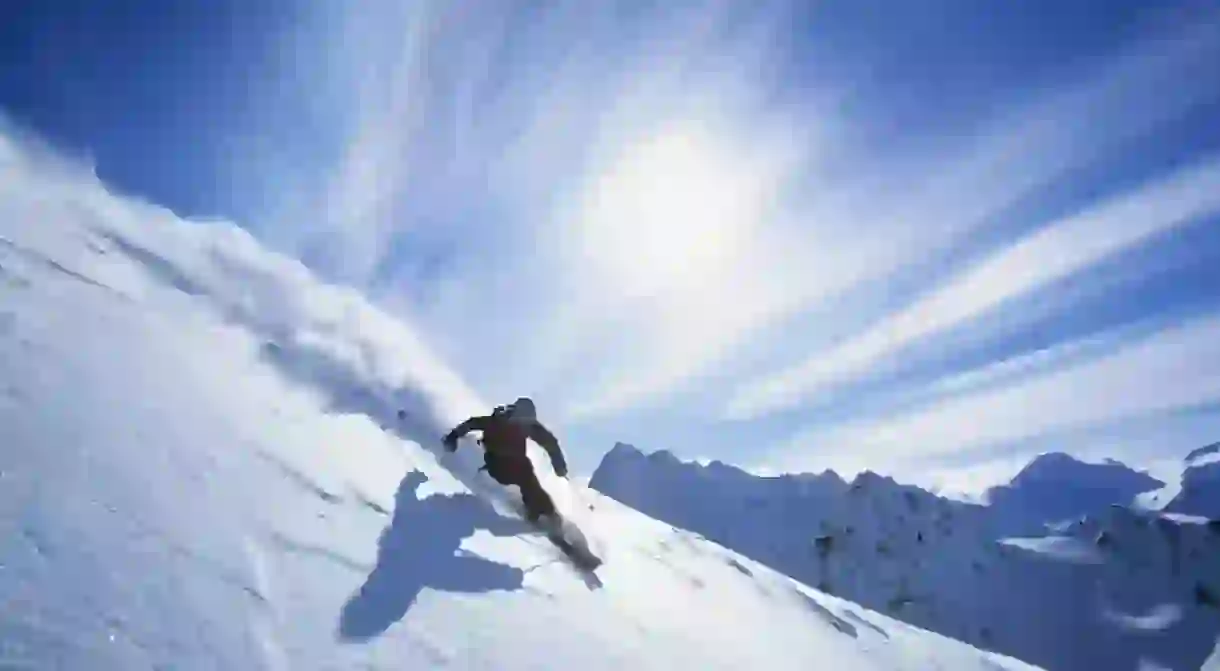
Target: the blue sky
pixel 925 238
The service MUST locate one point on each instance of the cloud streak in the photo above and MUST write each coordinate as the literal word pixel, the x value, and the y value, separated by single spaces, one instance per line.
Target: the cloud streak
pixel 612 209
pixel 1055 251
pixel 569 210
pixel 1169 371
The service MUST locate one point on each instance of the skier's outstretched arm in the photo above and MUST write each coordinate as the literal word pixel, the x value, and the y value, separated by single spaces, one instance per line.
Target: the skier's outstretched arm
pixel 473 424
pixel 541 435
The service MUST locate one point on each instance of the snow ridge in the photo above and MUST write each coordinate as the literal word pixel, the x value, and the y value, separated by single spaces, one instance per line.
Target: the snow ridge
pixel 1109 586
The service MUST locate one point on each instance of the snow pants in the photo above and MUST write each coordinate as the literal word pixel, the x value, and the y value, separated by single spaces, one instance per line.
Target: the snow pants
pixel 519 471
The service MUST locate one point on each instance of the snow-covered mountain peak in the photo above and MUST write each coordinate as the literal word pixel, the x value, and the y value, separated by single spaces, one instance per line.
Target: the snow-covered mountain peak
pixel 210 460
pixel 1048 465
pixel 1055 487
pixel 1198 493
pixel 1061 470
pixel 623 450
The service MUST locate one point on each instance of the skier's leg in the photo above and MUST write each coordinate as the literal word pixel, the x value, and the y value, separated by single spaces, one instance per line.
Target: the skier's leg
pixel 520 472
pixel 537 501
pixel 500 469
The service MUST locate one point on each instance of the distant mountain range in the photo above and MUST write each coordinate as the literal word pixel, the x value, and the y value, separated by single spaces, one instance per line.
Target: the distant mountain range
pixel 1060 567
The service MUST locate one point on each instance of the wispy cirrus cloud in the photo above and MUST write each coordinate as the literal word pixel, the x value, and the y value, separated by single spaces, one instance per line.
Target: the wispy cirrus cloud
pixel 824 245
pixel 548 170
pixel 609 209
pixel 1169 371
pixel 1055 251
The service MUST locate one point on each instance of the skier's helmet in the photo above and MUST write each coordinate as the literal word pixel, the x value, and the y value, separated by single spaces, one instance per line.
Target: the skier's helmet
pixel 522 411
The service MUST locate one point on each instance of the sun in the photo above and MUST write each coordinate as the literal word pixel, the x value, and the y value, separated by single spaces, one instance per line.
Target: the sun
pixel 669 212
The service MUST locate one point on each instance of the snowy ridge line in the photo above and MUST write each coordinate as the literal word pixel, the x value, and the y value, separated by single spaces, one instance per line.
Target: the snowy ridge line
pixel 324 336
pixel 1085 573
pixel 1203 454
pixel 339 360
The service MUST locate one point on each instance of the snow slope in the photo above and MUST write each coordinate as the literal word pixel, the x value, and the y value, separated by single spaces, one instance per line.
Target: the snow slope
pixel 1117 588
pixel 203 466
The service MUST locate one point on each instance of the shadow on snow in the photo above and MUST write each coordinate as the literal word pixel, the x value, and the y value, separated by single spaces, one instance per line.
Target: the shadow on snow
pixel 420 549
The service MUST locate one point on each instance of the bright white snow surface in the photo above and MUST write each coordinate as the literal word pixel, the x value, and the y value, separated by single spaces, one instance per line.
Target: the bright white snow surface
pixel 202 466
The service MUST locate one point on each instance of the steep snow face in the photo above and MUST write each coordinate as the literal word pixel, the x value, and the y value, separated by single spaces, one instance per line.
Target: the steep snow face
pixel 203 466
pixel 1113 589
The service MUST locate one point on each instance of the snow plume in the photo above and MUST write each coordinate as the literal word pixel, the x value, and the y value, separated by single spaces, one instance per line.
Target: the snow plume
pixel 309 328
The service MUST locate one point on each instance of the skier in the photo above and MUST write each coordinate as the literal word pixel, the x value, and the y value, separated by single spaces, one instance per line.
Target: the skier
pixel 505 432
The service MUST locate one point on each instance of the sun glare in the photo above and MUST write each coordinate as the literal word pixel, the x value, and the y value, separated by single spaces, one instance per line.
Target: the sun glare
pixel 669 212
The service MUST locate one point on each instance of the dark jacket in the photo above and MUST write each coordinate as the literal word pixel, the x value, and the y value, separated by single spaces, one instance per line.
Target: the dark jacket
pixel 506 439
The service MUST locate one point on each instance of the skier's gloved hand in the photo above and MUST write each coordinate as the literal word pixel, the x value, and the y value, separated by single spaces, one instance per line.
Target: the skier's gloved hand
pixel 561 470
pixel 450 442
